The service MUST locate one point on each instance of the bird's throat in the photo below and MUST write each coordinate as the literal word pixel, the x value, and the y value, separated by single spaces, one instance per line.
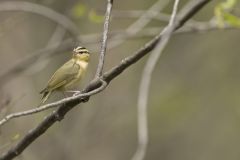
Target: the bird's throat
pixel 82 64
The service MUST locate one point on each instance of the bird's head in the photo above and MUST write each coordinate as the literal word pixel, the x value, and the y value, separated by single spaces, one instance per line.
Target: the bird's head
pixel 81 53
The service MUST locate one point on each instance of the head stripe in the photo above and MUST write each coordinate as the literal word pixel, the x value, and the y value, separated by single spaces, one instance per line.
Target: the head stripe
pixel 80 49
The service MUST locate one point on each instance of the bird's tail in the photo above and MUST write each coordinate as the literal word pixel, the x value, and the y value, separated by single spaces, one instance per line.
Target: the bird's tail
pixel 46 93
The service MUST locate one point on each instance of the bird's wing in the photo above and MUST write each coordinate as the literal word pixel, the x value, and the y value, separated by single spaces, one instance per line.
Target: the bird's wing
pixel 63 75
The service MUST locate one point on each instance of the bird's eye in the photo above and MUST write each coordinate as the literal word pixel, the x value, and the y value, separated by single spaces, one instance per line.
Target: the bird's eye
pixel 83 52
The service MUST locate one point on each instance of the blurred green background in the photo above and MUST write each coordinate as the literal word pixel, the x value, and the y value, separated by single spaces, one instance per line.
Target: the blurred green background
pixel 193 104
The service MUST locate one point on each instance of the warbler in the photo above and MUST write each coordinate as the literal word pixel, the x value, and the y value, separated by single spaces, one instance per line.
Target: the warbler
pixel 69 74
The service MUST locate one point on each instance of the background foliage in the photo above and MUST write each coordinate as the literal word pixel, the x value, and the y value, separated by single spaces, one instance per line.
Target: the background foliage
pixel 194 98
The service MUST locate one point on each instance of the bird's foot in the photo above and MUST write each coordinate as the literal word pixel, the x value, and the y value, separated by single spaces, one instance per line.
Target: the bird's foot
pixel 75 92
pixel 83 99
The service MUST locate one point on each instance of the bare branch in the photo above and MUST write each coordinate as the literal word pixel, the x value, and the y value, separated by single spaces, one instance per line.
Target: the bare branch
pixel 59 114
pixel 104 39
pixel 145 83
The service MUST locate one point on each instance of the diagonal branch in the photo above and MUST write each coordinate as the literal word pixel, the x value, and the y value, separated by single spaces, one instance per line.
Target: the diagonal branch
pixel 104 39
pixel 59 114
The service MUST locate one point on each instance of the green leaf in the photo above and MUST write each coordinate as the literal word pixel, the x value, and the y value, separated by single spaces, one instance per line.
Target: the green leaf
pixel 223 16
pixel 228 4
pixel 231 20
pixel 94 17
pixel 79 10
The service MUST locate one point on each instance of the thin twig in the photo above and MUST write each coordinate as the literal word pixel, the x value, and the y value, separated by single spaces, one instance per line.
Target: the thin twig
pixel 145 83
pixel 33 134
pixel 104 39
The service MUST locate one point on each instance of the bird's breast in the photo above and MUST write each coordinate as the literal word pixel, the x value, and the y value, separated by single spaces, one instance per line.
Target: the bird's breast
pixel 75 82
pixel 83 67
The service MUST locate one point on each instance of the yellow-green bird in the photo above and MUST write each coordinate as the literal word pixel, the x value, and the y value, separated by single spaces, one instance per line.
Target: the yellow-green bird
pixel 69 74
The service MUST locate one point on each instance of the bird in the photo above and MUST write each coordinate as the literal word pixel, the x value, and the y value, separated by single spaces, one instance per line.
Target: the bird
pixel 69 74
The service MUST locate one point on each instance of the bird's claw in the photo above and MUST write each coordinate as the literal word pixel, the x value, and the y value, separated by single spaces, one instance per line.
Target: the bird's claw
pixel 76 93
